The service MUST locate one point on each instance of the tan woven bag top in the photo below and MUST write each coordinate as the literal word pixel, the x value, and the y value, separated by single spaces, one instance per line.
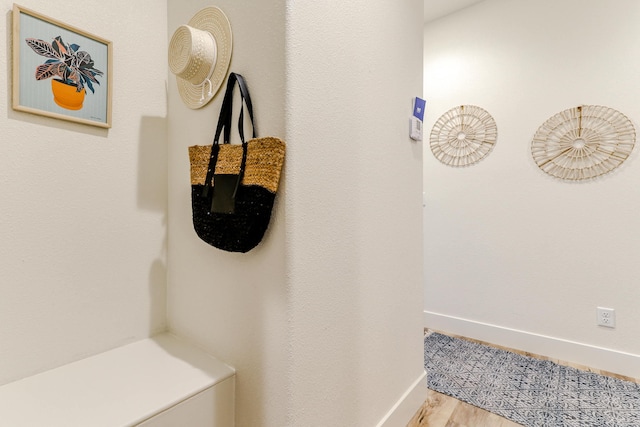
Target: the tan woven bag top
pixel 265 157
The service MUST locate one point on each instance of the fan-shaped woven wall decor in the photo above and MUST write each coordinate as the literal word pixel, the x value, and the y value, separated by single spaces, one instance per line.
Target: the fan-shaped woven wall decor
pixel 583 142
pixel 463 135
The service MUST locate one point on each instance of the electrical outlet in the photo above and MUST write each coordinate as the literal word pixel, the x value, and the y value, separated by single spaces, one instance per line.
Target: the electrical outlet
pixel 606 317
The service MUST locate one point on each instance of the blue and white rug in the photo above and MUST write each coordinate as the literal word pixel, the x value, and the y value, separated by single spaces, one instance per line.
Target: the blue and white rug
pixel 528 391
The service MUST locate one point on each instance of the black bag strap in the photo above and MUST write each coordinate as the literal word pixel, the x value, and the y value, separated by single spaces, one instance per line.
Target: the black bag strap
pixel 246 99
pixel 224 121
pixel 224 124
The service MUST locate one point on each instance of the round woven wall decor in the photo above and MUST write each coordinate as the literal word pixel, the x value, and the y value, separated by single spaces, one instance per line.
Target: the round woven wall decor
pixel 583 142
pixel 463 136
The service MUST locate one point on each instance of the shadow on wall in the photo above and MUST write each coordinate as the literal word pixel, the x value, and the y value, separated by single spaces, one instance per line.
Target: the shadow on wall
pixel 152 195
pixel 158 295
pixel 153 165
pixel 8 49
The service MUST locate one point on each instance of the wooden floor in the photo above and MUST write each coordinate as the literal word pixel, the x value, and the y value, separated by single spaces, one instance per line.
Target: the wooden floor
pixel 440 410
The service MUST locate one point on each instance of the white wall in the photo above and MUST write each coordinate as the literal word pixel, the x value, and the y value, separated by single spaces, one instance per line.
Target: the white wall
pixel 84 209
pixel 322 320
pixel 353 208
pixel 512 255
pixel 234 305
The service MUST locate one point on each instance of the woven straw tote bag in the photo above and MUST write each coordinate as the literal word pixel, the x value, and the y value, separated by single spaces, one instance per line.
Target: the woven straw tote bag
pixel 233 186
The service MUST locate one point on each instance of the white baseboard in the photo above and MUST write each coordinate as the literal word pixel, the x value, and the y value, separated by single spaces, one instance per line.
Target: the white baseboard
pixel 618 362
pixel 408 405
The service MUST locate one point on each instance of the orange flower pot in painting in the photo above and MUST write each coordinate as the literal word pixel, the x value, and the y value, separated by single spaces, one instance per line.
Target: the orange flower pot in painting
pixel 67 96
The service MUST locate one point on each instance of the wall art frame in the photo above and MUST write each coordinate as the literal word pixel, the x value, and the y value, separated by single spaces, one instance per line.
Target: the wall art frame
pixel 60 71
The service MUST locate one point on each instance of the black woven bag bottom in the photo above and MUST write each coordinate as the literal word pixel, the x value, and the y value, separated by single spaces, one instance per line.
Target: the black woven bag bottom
pixel 240 231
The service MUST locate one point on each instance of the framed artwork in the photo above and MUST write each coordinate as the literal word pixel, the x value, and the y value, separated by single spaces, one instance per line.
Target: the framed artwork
pixel 60 71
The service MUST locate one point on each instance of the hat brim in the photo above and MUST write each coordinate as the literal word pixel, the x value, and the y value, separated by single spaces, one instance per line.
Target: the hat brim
pixel 214 21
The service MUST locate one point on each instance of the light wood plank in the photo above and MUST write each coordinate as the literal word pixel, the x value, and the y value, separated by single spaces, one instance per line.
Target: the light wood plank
pixel 435 411
pixel 440 410
pixel 469 416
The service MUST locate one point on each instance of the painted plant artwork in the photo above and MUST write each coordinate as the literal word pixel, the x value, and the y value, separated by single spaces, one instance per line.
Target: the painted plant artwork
pixel 70 67
pixel 60 71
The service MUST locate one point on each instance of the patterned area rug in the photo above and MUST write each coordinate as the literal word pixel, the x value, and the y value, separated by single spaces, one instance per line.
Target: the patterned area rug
pixel 532 392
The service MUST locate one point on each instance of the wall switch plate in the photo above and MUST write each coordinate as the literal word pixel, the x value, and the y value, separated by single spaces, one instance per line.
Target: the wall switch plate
pixel 606 317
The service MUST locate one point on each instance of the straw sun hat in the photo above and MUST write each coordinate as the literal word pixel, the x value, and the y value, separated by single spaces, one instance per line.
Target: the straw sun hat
pixel 199 56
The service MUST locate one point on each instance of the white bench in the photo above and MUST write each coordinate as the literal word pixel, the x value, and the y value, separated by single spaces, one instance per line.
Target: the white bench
pixel 156 382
